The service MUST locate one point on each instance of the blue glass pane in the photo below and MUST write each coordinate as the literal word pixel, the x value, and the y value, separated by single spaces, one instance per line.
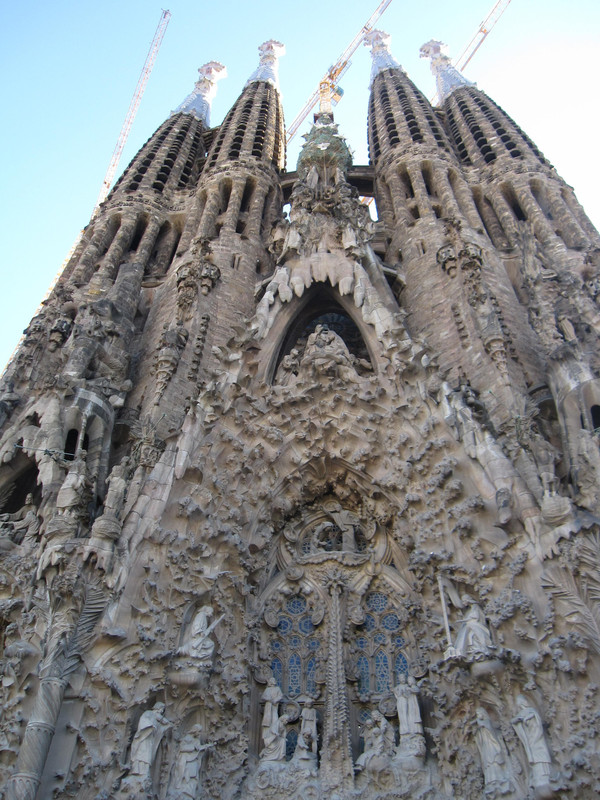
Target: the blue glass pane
pixel 314 644
pixel 400 665
pixel 311 672
pixel 390 622
pixel 306 625
pixel 277 670
pixel 369 623
pixel 362 642
pixel 380 638
pixel 382 672
pixel 285 625
pixel 376 601
pixel 362 669
pixel 399 641
pixel 275 645
pixel 294 675
pixel 363 715
pixel 291 740
pixel 296 605
pixel 294 641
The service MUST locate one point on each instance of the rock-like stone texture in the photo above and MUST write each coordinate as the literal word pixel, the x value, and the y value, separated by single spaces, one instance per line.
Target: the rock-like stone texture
pixel 303 505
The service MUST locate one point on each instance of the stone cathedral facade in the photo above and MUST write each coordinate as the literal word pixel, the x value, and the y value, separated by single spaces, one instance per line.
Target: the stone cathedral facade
pixel 296 503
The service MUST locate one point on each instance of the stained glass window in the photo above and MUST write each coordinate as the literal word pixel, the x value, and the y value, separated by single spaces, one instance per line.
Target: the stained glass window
pixel 295 647
pixel 378 646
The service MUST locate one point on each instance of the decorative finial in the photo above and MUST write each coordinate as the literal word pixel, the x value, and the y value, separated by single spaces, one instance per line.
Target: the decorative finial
pixel 199 101
pixel 268 68
pixel 447 77
pixel 379 41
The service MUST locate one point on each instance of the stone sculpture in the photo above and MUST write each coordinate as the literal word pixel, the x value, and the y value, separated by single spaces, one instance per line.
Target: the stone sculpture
pixel 271 697
pixel 409 716
pixel 492 754
pixel 197 642
pixel 20 527
pixel 71 497
pixel 274 738
pixel 473 640
pixel 528 726
pixel 187 772
pixel 151 728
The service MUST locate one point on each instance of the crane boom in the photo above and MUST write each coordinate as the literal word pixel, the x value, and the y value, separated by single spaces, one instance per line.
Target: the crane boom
pixel 334 72
pixel 484 29
pixel 134 105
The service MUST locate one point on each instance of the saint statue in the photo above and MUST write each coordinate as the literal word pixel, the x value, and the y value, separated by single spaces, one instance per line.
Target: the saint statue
pixel 186 774
pixel 20 527
pixel 275 740
pixel 308 725
pixel 528 726
pixel 150 730
pixel 379 741
pixel 197 642
pixel 409 716
pixel 117 488
pixel 72 494
pixel 271 697
pixel 473 639
pixel 491 752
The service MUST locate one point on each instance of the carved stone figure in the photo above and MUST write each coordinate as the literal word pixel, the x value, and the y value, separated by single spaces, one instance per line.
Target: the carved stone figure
pixel 185 779
pixel 308 726
pixel 409 716
pixel 71 498
pixel 327 354
pixel 151 728
pixel 275 740
pixel 197 642
pixel 473 639
pixel 209 275
pixel 20 527
pixel 117 488
pixel 528 726
pixel 379 742
pixel 491 752
pixel 172 343
pixel 271 697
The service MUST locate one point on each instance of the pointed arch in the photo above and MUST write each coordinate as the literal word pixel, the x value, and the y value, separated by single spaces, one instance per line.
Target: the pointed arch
pixel 297 319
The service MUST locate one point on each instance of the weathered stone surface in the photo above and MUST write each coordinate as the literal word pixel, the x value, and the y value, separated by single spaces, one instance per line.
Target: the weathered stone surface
pixel 305 505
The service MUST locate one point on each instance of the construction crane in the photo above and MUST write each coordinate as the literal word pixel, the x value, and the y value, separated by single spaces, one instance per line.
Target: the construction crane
pixel 335 72
pixel 134 105
pixel 484 29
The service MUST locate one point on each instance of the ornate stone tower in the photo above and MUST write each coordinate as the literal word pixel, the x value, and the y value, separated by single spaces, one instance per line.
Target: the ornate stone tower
pixel 305 504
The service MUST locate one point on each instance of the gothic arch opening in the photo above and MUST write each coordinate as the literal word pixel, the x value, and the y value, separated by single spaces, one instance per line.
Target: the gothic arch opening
pixel 321 309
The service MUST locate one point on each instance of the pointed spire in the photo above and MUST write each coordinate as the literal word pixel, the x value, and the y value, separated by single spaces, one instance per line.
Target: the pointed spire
pixel 447 77
pixel 379 41
pixel 198 103
pixel 268 68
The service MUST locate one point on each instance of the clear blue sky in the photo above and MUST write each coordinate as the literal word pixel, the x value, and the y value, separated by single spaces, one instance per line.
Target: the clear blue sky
pixel 69 69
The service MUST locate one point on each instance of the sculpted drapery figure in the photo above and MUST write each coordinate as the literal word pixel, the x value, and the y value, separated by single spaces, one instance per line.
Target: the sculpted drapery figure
pixel 271 697
pixel 275 740
pixel 186 774
pixel 473 639
pixel 409 715
pixel 20 527
pixel 491 752
pixel 379 740
pixel 528 726
pixel 71 494
pixel 197 642
pixel 117 488
pixel 308 726
pixel 150 730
